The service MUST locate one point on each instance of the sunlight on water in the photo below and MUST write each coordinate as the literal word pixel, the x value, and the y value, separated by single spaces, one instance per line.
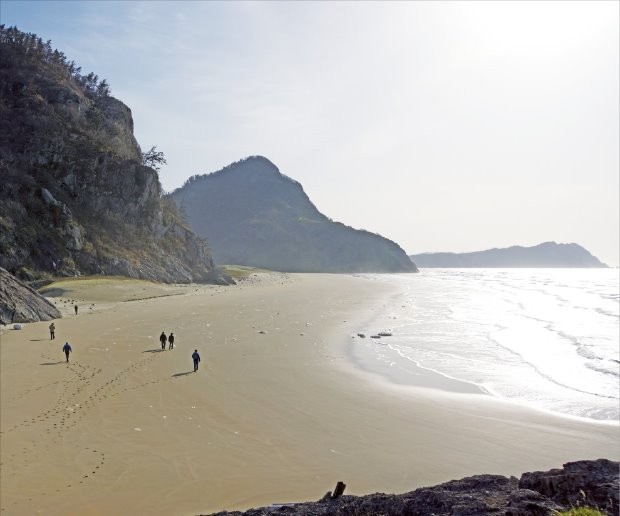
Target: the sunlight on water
pixel 545 337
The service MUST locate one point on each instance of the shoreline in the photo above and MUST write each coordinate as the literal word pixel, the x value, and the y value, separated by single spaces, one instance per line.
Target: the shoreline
pixel 395 368
pixel 275 413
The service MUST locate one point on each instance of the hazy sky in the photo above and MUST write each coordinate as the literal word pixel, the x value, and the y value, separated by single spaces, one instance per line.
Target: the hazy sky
pixel 445 126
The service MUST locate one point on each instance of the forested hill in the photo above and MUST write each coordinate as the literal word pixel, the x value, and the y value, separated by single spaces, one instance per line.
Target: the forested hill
pixel 78 196
pixel 547 254
pixel 253 215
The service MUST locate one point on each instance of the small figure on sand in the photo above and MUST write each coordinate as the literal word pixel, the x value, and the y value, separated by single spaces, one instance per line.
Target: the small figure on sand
pixel 67 349
pixel 75 308
pixel 171 341
pixel 162 339
pixel 52 331
pixel 196 358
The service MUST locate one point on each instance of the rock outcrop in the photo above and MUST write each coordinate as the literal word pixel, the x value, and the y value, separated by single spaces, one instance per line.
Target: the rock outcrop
pixel 76 195
pixel 592 483
pixel 21 304
pixel 547 254
pixel 255 216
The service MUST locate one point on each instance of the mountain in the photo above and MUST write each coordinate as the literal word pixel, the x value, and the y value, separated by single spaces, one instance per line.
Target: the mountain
pixel 547 254
pixel 255 216
pixel 77 196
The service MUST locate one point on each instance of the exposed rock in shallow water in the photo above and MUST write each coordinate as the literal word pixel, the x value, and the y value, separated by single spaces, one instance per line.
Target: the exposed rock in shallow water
pixel 19 303
pixel 588 482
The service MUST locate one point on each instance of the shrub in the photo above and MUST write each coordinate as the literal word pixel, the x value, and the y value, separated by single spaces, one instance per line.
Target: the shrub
pixel 580 511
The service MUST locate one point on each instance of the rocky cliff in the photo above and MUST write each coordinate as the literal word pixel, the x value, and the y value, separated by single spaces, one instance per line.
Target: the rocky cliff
pixel 255 216
pixel 588 483
pixel 76 197
pixel 547 254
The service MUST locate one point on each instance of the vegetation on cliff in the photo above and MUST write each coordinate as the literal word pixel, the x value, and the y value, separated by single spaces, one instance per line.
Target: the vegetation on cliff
pixel 77 196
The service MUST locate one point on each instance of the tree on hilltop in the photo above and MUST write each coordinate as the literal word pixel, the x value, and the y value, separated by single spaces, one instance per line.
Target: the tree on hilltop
pixel 153 158
pixel 35 50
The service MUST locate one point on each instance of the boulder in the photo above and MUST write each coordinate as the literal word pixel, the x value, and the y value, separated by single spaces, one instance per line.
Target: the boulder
pixel 585 482
pixel 20 304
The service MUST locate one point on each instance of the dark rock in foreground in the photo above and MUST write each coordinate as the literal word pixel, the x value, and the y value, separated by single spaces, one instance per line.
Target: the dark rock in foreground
pixel 547 254
pixel 19 303
pixel 592 483
pixel 598 480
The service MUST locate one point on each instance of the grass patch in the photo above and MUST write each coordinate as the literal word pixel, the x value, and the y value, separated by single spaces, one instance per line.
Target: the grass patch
pixel 108 289
pixel 580 511
pixel 68 284
pixel 240 272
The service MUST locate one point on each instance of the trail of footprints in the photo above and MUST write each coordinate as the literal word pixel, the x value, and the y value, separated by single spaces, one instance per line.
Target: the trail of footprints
pixel 34 389
pixel 67 412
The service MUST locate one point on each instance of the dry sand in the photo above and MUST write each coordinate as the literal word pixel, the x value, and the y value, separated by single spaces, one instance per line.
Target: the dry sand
pixel 279 416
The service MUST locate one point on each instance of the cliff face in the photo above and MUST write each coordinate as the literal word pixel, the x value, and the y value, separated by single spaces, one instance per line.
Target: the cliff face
pixel 253 215
pixel 548 254
pixel 75 197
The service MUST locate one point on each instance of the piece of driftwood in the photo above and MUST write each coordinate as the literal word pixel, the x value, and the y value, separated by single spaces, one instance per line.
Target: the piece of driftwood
pixel 339 490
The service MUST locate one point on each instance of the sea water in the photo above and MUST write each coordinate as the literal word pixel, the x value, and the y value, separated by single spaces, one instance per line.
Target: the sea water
pixel 543 337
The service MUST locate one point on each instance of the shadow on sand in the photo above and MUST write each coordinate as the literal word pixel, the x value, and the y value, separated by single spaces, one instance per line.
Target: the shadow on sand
pixel 182 374
pixel 38 340
pixel 159 350
pixel 53 363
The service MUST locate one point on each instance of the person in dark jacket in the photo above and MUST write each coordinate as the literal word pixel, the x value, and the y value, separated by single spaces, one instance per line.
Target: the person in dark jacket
pixel 67 349
pixel 196 358
pixel 162 339
pixel 171 341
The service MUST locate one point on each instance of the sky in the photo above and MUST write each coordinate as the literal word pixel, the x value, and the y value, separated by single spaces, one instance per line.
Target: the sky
pixel 442 125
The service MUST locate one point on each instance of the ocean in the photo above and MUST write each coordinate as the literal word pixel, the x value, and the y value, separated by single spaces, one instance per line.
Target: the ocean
pixel 548 338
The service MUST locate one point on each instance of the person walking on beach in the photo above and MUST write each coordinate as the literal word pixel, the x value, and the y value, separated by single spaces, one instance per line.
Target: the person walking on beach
pixel 52 331
pixel 196 358
pixel 171 341
pixel 67 349
pixel 75 308
pixel 162 339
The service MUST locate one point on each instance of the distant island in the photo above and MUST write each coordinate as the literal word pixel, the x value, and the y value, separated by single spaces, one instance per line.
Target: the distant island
pixel 547 254
pixel 251 214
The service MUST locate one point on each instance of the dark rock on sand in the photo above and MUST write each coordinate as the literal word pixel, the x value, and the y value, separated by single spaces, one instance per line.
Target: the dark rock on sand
pixel 19 303
pixel 590 483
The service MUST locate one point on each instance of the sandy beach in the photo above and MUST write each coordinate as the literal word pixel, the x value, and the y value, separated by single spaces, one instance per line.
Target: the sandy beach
pixel 277 411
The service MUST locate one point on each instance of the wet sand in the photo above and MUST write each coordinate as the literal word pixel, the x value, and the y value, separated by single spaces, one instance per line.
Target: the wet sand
pixel 276 413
